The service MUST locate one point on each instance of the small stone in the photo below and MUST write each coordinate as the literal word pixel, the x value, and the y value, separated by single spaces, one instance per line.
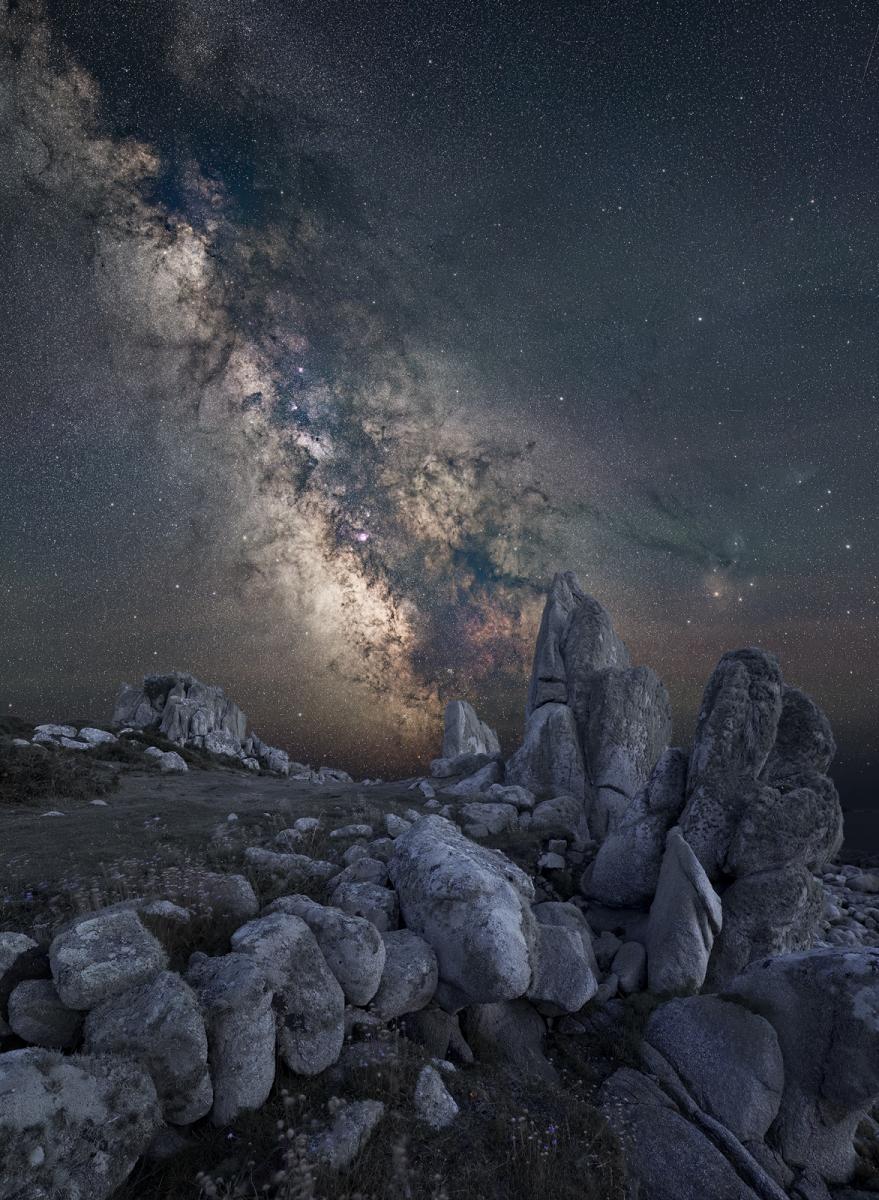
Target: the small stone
pixel 606 946
pixel 56 731
pixel 306 824
pixel 396 825
pixel 433 1103
pixel 630 966
pixel 351 831
pixel 352 1128
pixel 868 882
pixel 96 737
pixel 551 862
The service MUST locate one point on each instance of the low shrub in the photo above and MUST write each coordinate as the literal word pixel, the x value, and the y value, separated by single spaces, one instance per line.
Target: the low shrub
pixel 34 775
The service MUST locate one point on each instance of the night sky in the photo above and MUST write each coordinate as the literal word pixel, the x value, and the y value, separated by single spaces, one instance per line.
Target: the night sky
pixel 328 332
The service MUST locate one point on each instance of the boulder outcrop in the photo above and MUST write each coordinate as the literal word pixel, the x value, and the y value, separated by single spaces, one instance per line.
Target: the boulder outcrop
pixel 824 1008
pixel 471 906
pixel 72 1126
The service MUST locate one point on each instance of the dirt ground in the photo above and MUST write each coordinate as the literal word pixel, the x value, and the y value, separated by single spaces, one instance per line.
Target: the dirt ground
pixel 172 818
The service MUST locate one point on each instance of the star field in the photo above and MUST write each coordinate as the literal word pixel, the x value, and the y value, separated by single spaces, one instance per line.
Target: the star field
pixel 331 331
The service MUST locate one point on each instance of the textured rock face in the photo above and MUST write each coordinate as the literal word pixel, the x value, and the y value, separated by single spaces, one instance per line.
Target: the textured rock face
pixel 562 816
pixel 353 947
pixel 735 734
pixel 771 912
pixel 554 912
pixel 626 726
pixel 728 1058
pixel 37 1015
pixel 410 975
pixel 512 1033
pixel 550 759
pixel 667 1158
pixel 308 999
pixel 576 638
pixel 562 979
pixel 824 1007
pixel 496 818
pixel 101 956
pixel 685 918
pixel 373 903
pixel 804 740
pixel 629 964
pixel 159 1025
pixel 471 906
pixel 352 1128
pixel 479 781
pixel 796 824
pixel 625 871
pixel 72 1127
pixel 464 733
pixel 236 1001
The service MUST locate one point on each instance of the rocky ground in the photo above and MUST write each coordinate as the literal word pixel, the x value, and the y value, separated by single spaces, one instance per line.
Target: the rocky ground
pixel 603 967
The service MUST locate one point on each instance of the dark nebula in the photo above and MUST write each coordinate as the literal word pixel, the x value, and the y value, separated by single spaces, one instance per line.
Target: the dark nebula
pixel 331 331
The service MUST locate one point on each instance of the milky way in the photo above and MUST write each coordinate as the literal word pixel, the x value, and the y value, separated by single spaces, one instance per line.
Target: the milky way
pixel 330 336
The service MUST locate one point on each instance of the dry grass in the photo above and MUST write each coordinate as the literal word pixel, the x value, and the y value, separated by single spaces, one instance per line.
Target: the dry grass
pixel 512 1138
pixel 33 775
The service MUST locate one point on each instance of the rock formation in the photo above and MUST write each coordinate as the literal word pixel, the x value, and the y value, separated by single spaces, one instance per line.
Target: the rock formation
pixel 595 726
pixel 192 713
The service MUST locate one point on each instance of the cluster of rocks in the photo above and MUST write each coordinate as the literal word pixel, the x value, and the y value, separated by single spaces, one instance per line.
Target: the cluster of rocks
pixel 423 926
pixel 707 857
pixel 67 737
pixel 851 907
pixel 756 1094
pixel 191 713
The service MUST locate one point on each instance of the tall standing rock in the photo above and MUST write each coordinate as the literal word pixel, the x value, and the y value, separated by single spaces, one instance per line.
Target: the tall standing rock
pixel 804 739
pixel 576 638
pixel 237 1004
pixel 464 733
pixel 182 707
pixel 735 734
pixel 588 713
pixel 626 727
pixel 550 760
pixel 685 918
